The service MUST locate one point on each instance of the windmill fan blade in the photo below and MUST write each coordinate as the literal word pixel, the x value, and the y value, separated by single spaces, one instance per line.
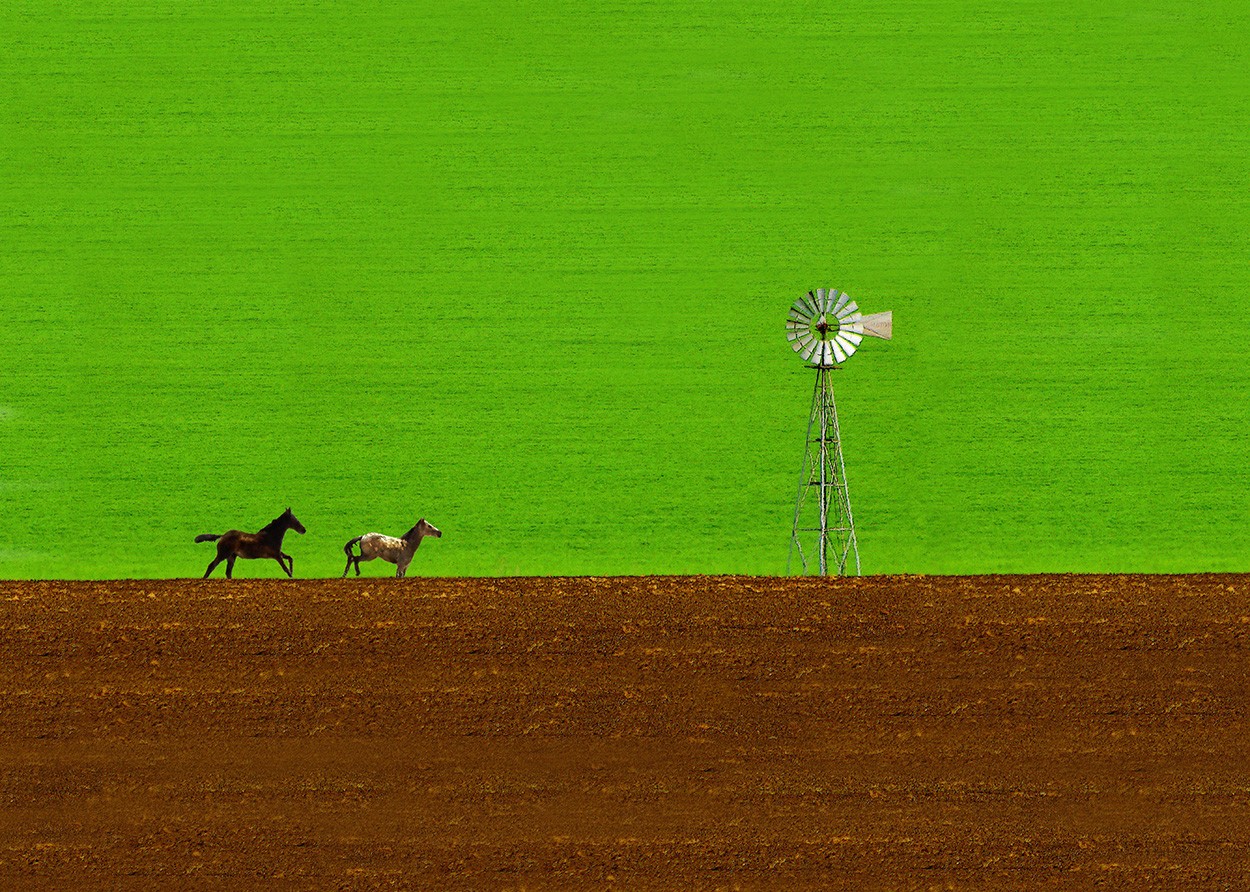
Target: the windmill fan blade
pixel 848 310
pixel 801 310
pixel 827 303
pixel 842 299
pixel 802 343
pixel 810 350
pixel 845 343
pixel 837 351
pixel 851 337
pixel 879 325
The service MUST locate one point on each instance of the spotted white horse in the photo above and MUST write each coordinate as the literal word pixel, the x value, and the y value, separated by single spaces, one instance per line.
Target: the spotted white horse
pixel 398 551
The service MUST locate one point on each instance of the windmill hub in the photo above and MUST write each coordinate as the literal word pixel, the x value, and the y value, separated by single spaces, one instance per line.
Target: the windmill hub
pixel 825 328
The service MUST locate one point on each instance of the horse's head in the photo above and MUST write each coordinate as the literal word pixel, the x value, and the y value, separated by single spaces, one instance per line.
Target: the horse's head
pixel 423 529
pixel 292 522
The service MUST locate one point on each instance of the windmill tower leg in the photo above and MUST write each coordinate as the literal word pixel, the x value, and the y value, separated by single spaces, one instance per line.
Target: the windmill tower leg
pixel 823 535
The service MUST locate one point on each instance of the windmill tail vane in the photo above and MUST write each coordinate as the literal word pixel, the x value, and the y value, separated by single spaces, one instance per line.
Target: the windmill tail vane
pixel 826 328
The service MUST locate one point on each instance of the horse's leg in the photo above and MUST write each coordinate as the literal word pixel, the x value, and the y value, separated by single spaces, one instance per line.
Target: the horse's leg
pixel 230 566
pixel 282 564
pixel 348 567
pixel 401 569
pixel 290 571
pixel 223 552
pixel 356 560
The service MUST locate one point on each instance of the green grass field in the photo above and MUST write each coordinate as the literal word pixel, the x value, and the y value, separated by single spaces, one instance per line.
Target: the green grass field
pixel 523 269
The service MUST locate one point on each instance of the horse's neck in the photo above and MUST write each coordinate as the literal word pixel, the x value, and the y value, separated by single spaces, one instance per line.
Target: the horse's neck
pixel 273 531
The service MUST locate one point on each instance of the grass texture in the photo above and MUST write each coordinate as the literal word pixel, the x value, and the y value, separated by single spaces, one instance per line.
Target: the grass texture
pixel 522 269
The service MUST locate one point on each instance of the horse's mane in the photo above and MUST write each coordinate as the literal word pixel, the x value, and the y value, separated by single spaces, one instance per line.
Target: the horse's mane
pixel 272 525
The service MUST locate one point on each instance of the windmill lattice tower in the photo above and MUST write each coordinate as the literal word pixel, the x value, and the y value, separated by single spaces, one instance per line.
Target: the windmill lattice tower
pixel 825 327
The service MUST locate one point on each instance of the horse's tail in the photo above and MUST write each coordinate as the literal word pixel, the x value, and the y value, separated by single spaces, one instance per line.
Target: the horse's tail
pixel 347 549
pixel 207 537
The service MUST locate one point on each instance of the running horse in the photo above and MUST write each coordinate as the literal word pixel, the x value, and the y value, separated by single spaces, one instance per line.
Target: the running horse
pixel 264 543
pixel 398 551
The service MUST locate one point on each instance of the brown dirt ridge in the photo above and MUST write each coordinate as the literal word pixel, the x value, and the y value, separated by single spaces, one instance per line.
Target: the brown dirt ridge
pixel 993 732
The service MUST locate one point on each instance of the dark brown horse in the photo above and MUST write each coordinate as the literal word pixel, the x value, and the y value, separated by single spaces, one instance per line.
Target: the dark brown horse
pixel 265 543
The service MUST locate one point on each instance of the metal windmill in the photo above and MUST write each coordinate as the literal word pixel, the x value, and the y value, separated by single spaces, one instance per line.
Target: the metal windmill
pixel 825 328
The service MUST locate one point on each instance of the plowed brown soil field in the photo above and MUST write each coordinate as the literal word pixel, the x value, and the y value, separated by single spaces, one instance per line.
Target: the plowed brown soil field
pixel 642 733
